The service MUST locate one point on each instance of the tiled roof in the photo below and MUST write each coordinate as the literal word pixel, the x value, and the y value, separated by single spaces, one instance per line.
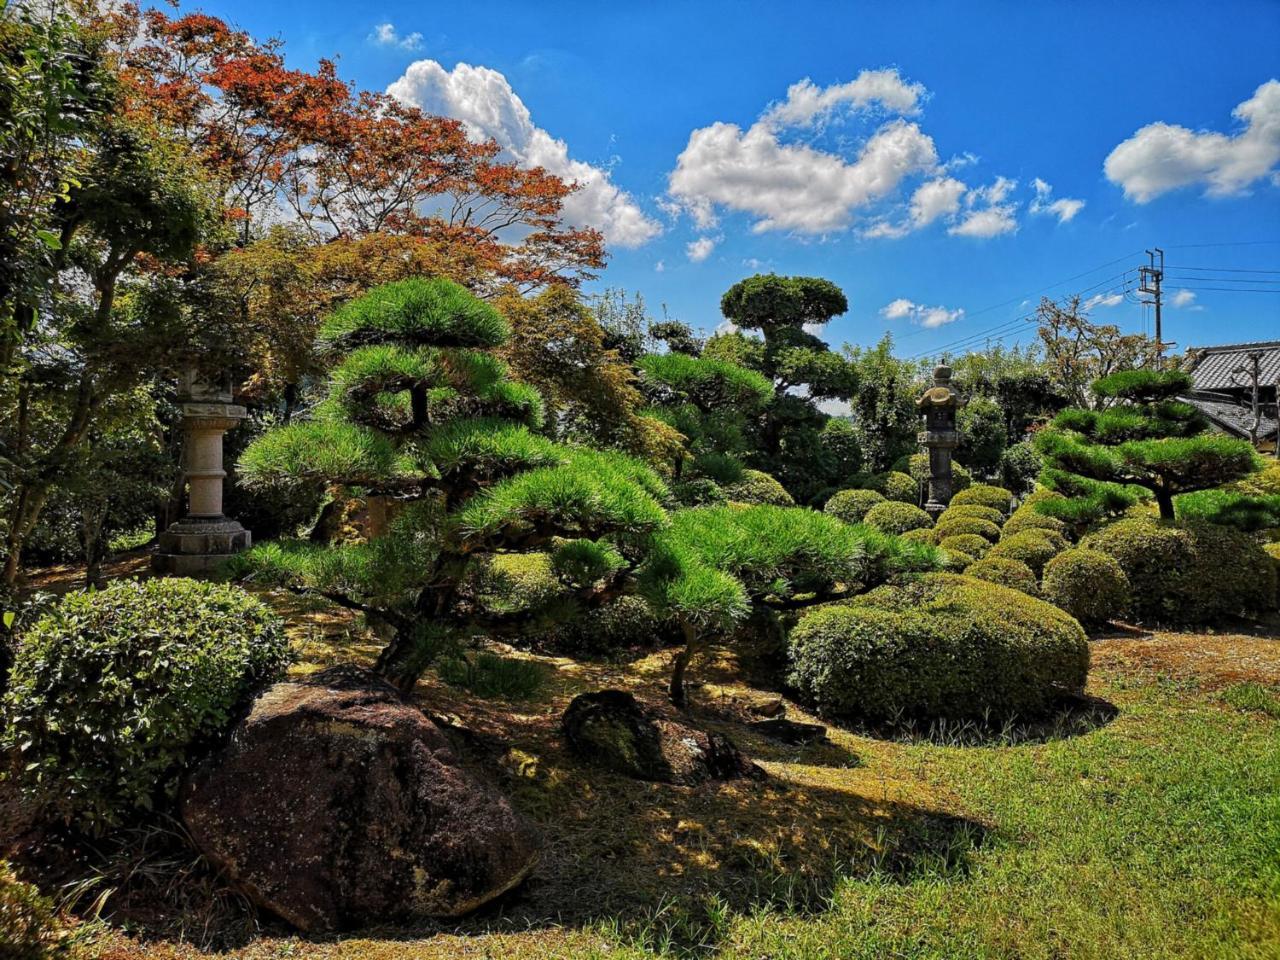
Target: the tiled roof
pixel 1220 367
pixel 1233 417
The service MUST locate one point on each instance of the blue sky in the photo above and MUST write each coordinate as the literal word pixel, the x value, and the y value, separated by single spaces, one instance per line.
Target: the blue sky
pixel 893 148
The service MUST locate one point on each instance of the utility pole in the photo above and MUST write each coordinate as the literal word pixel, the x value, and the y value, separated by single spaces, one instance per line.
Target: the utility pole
pixel 1149 279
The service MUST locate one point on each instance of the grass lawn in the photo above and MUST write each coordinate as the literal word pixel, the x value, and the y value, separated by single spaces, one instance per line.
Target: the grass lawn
pixel 1146 827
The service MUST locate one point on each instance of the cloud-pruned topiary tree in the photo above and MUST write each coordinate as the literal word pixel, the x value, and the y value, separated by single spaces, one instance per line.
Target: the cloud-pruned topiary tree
pixel 796 442
pixel 713 567
pixel 1143 440
pixel 424 421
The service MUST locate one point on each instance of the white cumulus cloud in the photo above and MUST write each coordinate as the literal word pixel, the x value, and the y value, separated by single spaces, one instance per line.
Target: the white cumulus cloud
pixel 930 317
pixel 931 200
pixel 698 250
pixel 385 35
pixel 1064 208
pixel 988 211
pixel 489 108
pixel 808 104
pixel 1163 156
pixel 1104 300
pixel 1184 300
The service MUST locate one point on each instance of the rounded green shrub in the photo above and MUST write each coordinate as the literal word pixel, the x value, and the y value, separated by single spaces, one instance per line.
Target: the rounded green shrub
pixel 954 526
pixel 1272 550
pixel 112 690
pixel 30 928
pixel 985 495
pixel 916 466
pixel 1089 585
pixel 851 506
pixel 956 560
pixel 1191 573
pixel 972 510
pixel 755 487
pixel 921 535
pixel 896 517
pixel 1035 548
pixel 897 486
pixel 621 624
pixel 507 583
pixel 1028 518
pixel 1013 574
pixel 940 646
pixel 970 543
pixel 1019 467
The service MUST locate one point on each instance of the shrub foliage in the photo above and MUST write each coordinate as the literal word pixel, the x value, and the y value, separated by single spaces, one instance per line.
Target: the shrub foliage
pixel 111 690
pixel 1088 584
pixel 941 646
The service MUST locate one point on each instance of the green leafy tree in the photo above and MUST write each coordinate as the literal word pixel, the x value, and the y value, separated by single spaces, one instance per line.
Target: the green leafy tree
pixel 1143 440
pixel 425 421
pixel 715 567
pixel 883 404
pixel 804 371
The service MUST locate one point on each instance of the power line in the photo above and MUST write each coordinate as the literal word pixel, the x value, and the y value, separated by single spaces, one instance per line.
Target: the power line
pixel 1225 269
pixel 1236 289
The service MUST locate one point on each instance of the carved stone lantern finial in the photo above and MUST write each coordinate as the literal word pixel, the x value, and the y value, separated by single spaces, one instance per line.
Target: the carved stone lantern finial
pixel 940 436
pixel 201 540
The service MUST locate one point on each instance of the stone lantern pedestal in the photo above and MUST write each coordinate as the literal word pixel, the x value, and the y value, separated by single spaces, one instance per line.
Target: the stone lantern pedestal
pixel 195 545
pixel 939 437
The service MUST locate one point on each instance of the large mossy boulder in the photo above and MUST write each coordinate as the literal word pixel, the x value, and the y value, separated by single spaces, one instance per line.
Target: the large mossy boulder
pixel 337 804
pixel 941 646
pixel 612 729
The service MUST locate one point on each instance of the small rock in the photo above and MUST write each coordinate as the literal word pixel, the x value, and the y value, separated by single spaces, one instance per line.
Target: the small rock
pixel 769 708
pixel 789 731
pixel 337 804
pixel 611 728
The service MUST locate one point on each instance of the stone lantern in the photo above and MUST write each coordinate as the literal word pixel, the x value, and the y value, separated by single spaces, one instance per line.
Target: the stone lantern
pixel 939 437
pixel 201 540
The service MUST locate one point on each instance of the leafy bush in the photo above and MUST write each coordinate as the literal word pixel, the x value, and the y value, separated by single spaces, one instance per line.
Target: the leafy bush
pixel 1035 548
pixel 1089 585
pixel 985 495
pixel 1007 572
pixel 897 486
pixel 757 487
pixel 943 645
pixel 917 467
pixel 1188 573
pixel 972 510
pixel 896 517
pixel 970 543
pixel 1019 468
pixel 1273 551
pixel 956 560
pixel 1244 511
pixel 851 506
pixel 954 526
pixel 1028 518
pixel 621 624
pixel 697 492
pixel 29 926
pixel 515 582
pixel 112 690
pixel 921 535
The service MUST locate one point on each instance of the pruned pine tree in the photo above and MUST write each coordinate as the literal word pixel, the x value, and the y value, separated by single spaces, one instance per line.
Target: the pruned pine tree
pixel 710 402
pixel 714 567
pixel 424 421
pixel 1144 440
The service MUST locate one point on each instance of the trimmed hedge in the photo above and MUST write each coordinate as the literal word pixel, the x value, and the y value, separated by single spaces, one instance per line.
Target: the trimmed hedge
pixel 1272 550
pixel 970 543
pixel 112 691
pixel 897 486
pixel 621 624
pixel 941 646
pixel 916 466
pixel 921 535
pixel 851 506
pixel 1192 573
pixel 985 495
pixel 757 487
pixel 972 510
pixel 1088 584
pixel 30 928
pixel 956 560
pixel 956 526
pixel 896 517
pixel 1033 547
pixel 1028 518
pixel 1007 572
